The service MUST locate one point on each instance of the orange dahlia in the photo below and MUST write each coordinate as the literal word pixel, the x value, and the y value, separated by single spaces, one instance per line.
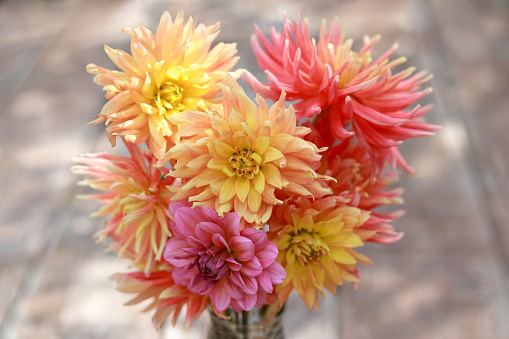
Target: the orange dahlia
pixel 169 72
pixel 136 198
pixel 316 241
pixel 236 158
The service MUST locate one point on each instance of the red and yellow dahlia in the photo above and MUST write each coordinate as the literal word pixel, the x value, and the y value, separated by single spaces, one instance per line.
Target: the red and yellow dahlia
pixel 168 298
pixel 356 94
pixel 236 158
pixel 169 72
pixel 136 197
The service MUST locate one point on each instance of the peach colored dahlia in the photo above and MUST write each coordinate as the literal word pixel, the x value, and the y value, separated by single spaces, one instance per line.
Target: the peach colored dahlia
pixel 356 94
pixel 236 158
pixel 167 297
pixel 316 241
pixel 136 198
pixel 169 72
pixel 213 257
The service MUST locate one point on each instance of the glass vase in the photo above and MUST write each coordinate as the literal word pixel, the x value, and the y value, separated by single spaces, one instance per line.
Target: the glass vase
pixel 259 323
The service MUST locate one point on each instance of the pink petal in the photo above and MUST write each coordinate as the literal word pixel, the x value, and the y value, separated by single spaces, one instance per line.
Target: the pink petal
pixel 174 206
pixel 258 237
pixel 234 265
pixel 237 304
pixel 276 273
pixel 268 254
pixel 183 277
pixel 231 222
pixel 209 213
pixel 236 278
pixel 264 282
pixel 252 268
pixel 261 298
pixel 220 297
pixel 233 290
pixel 219 241
pixel 242 247
pixel 185 222
pixel 197 242
pixel 205 230
pixel 249 301
pixel 251 285
pixel 174 248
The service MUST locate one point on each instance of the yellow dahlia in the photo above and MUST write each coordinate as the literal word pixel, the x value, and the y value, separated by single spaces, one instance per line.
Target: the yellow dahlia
pixel 237 158
pixel 169 72
pixel 316 242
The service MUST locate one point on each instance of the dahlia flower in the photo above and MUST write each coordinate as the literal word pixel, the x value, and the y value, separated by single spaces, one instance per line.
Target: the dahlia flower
pixel 235 159
pixel 316 241
pixel 213 257
pixel 168 298
pixel 354 93
pixel 136 198
pixel 169 72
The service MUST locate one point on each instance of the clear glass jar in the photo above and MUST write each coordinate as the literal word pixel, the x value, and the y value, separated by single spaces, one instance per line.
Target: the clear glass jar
pixel 259 323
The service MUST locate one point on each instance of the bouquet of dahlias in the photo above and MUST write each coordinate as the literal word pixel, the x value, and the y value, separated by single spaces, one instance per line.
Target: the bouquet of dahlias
pixel 234 203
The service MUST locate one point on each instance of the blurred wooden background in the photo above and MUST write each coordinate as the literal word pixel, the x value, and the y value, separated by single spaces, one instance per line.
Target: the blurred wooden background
pixel 447 278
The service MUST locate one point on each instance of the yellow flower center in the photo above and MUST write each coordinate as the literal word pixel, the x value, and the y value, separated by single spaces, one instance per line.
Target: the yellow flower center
pixel 245 163
pixel 169 97
pixel 309 247
pixel 356 65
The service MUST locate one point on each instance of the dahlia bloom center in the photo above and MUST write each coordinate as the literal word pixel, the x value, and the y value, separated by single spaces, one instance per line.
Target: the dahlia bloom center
pixel 170 96
pixel 165 89
pixel 244 163
pixel 210 266
pixel 308 247
pixel 358 63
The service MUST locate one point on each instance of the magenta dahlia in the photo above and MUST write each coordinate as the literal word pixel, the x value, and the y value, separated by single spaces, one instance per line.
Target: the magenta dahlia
pixel 213 257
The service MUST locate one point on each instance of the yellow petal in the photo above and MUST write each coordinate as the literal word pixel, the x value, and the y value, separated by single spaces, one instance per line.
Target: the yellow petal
pixel 261 144
pixel 217 163
pixel 254 200
pixel 227 190
pixel 272 154
pixel 242 188
pixel 272 175
pixel 259 182
pixel 342 256
pixel 223 149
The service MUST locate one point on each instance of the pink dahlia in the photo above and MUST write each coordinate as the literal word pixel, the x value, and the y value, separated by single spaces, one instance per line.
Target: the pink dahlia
pixel 213 257
pixel 354 93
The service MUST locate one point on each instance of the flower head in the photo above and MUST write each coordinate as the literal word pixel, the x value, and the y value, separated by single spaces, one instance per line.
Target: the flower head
pixel 168 298
pixel 169 72
pixel 316 242
pixel 235 159
pixel 135 197
pixel 356 94
pixel 349 164
pixel 213 257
